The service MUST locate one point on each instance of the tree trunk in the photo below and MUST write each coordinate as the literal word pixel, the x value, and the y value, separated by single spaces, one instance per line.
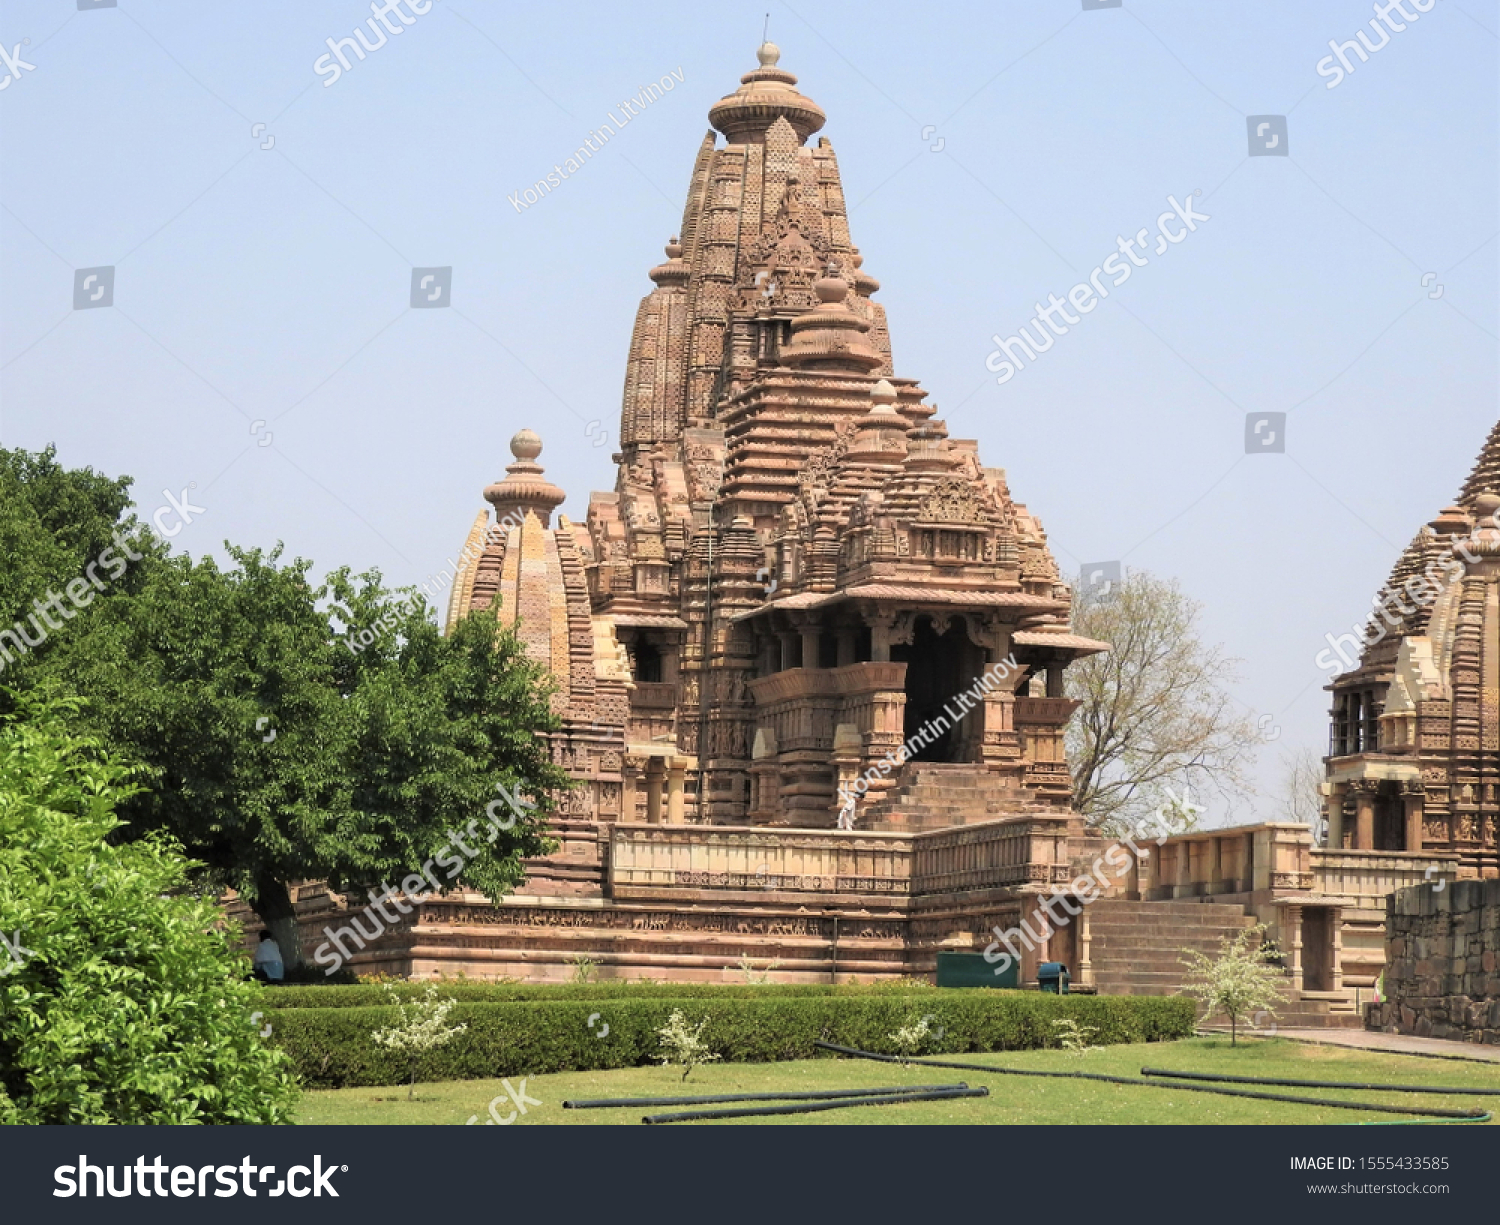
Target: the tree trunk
pixel 1233 1029
pixel 273 904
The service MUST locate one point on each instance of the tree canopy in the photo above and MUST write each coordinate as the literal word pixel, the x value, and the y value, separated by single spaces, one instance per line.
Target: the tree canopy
pixel 284 730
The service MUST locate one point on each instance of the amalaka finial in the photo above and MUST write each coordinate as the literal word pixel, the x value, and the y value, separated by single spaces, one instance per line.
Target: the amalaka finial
pixel 526 445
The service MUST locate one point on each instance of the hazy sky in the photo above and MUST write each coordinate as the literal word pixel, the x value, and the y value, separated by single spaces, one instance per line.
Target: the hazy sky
pixel 992 154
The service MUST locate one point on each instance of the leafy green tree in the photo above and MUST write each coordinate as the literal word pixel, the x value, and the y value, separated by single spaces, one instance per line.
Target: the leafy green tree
pixel 279 749
pixel 60 526
pixel 122 996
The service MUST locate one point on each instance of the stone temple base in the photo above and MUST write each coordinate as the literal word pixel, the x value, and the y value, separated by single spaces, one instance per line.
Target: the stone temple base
pixel 690 903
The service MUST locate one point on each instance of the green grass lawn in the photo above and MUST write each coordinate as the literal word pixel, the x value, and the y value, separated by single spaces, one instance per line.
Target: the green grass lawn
pixel 1012 1100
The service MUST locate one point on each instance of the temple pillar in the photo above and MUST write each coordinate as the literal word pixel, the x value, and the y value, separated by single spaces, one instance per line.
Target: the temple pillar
pixel 1336 815
pixel 1055 680
pixel 676 780
pixel 810 646
pixel 1364 813
pixel 1415 797
pixel 789 645
pixel 880 637
pixel 653 790
pixel 847 647
pixel 630 771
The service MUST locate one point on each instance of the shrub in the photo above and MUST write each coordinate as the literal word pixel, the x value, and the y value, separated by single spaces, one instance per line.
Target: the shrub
pixel 370 992
pixel 532 1037
pixel 129 1004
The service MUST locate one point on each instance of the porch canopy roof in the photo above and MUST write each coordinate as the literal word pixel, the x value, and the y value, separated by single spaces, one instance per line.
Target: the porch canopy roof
pixel 910 594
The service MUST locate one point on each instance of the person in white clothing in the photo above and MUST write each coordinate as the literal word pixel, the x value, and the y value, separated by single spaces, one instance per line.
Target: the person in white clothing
pixel 268 965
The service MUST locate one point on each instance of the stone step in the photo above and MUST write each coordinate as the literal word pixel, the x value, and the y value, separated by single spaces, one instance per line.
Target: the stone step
pixel 1158 940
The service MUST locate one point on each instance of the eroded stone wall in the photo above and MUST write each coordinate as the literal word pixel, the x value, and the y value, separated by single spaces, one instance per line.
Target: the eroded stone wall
pixel 1442 977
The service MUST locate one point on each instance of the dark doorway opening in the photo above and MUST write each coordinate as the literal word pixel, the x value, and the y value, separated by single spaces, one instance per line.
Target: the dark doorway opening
pixel 937 668
pixel 1317 949
pixel 647 663
pixel 1390 820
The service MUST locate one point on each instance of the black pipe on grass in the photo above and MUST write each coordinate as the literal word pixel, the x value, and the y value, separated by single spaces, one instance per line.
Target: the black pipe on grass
pixel 748 1112
pixel 1318 1084
pixel 706 1099
pixel 1432 1111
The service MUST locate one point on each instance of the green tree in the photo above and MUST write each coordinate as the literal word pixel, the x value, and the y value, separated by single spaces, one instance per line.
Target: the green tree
pixel 55 524
pixel 278 749
pixel 1243 979
pixel 122 996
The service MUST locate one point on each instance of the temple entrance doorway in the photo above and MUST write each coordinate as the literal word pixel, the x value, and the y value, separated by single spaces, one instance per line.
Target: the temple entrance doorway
pixel 938 667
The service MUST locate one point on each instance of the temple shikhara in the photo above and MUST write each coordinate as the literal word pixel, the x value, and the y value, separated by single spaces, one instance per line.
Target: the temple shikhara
pixel 809 657
pixel 1414 749
pixel 797 569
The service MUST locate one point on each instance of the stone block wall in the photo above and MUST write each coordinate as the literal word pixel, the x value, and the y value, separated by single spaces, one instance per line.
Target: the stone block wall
pixel 1442 977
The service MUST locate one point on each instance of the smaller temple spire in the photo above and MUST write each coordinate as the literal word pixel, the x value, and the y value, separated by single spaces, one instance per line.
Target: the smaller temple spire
pixel 524 487
pixel 831 336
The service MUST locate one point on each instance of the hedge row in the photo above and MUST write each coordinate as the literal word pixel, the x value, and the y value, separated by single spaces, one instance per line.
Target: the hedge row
pixel 354 996
pixel 331 1047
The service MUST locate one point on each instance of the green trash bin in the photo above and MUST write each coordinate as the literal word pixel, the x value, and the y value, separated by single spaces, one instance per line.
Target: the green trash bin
pixel 1052 977
pixel 972 970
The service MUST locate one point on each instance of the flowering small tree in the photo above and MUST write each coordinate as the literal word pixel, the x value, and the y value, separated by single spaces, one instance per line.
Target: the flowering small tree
pixel 909 1039
pixel 1075 1038
pixel 1243 979
pixel 423 1026
pixel 683 1044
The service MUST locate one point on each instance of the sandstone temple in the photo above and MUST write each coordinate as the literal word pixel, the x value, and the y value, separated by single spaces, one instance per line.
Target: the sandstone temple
pixel 809 655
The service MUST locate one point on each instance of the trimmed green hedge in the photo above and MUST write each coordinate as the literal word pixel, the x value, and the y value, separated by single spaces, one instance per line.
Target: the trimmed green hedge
pixel 353 996
pixel 331 1047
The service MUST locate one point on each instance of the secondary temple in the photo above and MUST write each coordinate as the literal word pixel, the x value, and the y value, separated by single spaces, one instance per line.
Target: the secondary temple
pixel 804 605
pixel 1414 748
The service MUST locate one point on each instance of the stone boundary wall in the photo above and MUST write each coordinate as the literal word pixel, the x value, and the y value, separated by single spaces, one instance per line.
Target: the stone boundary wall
pixel 1442 977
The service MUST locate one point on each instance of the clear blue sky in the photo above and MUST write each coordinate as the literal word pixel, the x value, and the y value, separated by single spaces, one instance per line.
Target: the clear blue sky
pixel 271 285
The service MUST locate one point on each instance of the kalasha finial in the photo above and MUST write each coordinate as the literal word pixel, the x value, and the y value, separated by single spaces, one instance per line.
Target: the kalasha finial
pixel 768 54
pixel 526 445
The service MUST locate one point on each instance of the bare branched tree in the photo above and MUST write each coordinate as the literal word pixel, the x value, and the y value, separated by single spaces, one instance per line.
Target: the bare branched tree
pixel 1156 715
pixel 1302 789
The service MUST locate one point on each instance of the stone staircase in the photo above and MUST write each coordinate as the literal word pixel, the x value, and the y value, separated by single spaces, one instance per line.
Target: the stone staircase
pixel 1134 949
pixel 939 795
